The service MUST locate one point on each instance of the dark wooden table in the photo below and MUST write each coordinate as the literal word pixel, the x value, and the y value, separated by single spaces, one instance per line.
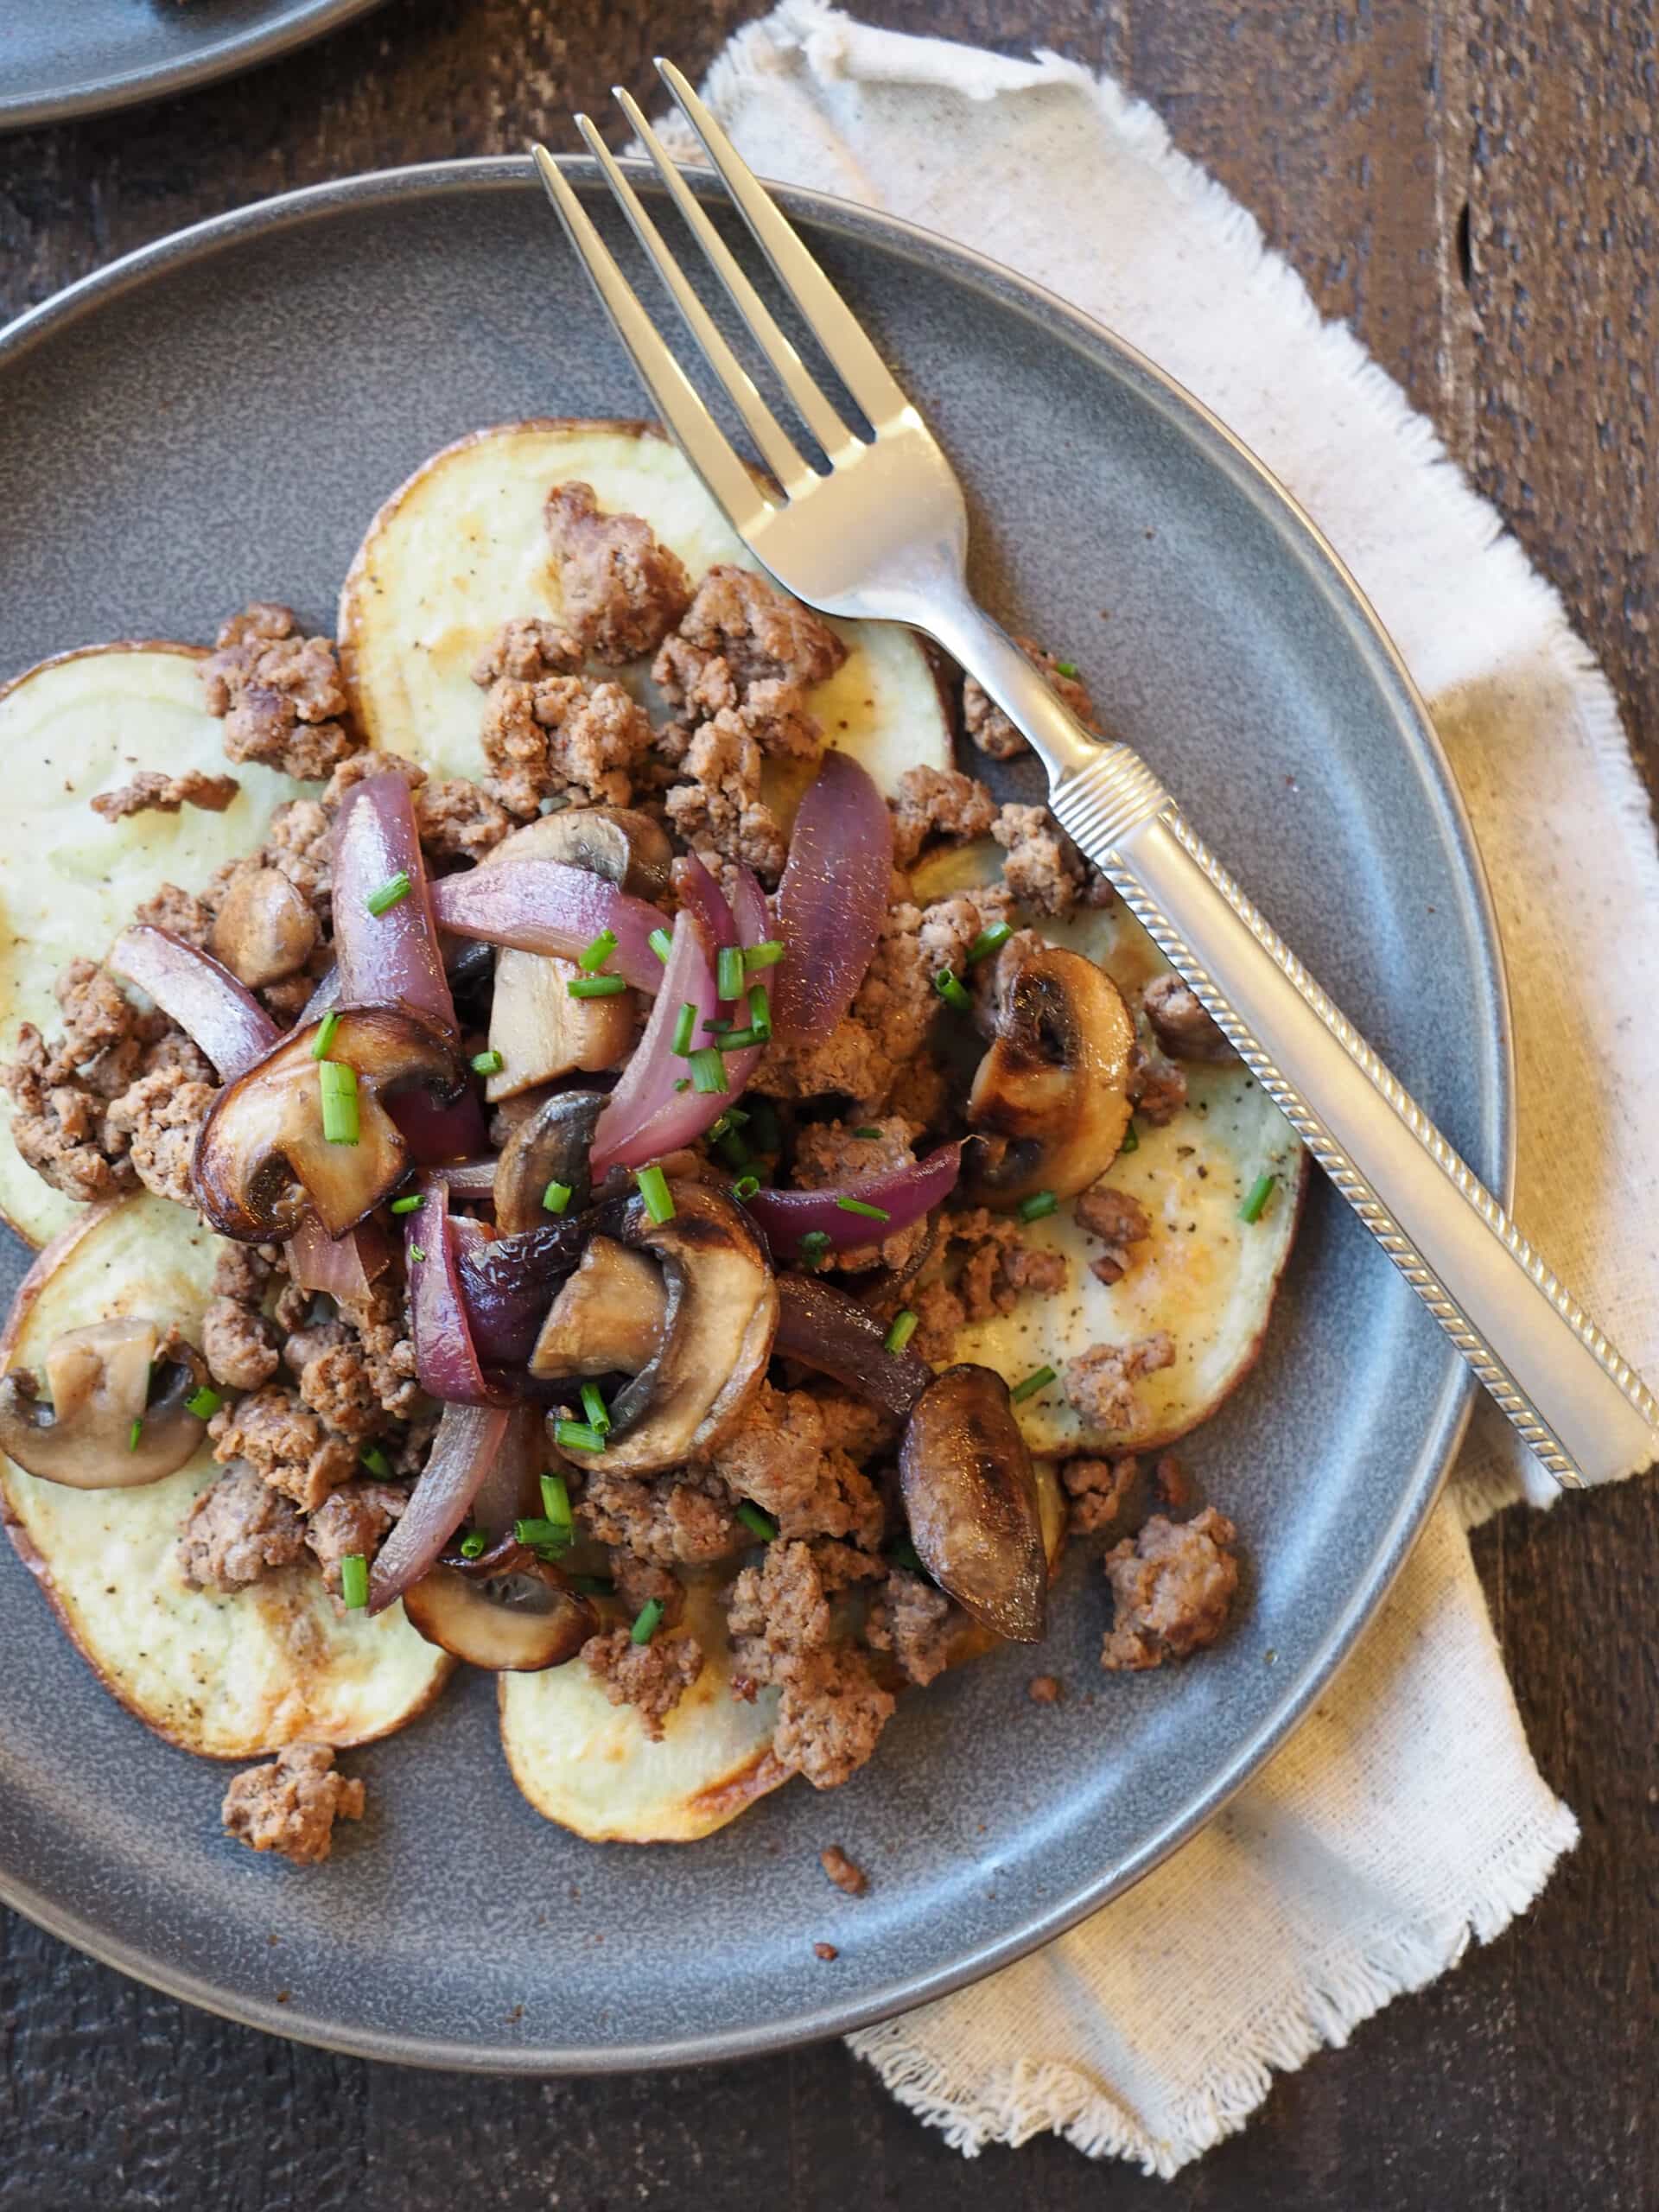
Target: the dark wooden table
pixel 1471 183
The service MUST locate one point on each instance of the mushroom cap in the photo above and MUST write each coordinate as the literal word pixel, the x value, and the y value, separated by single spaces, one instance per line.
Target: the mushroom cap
pixel 609 1316
pixel 100 1380
pixel 507 1611
pixel 265 929
pixel 548 1145
pixel 1055 1083
pixel 972 1496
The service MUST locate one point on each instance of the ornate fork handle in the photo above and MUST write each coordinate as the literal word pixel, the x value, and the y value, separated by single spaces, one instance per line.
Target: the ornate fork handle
pixel 1579 1407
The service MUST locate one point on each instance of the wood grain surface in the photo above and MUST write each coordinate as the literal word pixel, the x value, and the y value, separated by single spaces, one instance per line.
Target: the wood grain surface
pixel 1470 182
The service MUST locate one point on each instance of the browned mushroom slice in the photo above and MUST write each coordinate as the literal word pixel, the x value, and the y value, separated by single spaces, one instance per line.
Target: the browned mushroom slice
pixel 609 1316
pixel 971 1493
pixel 1053 1088
pixel 117 1414
pixel 548 1145
pixel 540 1031
pixel 265 929
pixel 722 1314
pixel 263 1154
pixel 506 1611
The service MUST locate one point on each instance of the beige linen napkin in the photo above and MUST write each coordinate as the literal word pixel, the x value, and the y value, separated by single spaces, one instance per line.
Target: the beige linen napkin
pixel 1407 1815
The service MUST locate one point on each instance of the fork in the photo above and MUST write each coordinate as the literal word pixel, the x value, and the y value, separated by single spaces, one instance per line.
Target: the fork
pixel 881 534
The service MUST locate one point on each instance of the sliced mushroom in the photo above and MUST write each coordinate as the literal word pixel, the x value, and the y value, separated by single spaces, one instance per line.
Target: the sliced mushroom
pixel 540 1031
pixel 1054 1085
pixel 608 1318
pixel 971 1496
pixel 262 1155
pixel 117 1415
pixel 548 1145
pixel 507 1611
pixel 265 929
pixel 721 1315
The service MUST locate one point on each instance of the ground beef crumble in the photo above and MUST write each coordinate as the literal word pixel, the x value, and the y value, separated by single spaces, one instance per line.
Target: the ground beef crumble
pixel 721 805
pixel 1180 1022
pixel 1099 1383
pixel 1173 1588
pixel 150 793
pixel 1044 1689
pixel 280 693
pixel 780 1459
pixel 938 802
pixel 158 1119
pixel 290 1804
pixel 1157 1087
pixel 990 729
pixel 651 1677
pixel 916 1622
pixel 846 1873
pixel 622 591
pixel 238 1530
pixel 1120 1222
pixel 1044 869
pixel 353 1519
pixel 739 632
pixel 1114 1498
pixel 685 1520
pixel 831 1708
pixel 561 735
pixel 285 1444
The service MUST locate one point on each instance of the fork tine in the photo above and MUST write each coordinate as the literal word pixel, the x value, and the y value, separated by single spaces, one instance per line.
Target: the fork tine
pixel 764 426
pixel 833 323
pixel 796 378
pixel 700 437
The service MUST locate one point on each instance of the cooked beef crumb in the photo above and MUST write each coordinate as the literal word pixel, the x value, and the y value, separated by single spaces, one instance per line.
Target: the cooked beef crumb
pixel 843 1871
pixel 458 820
pixel 938 802
pixel 1099 1383
pixel 652 1677
pixel 239 1344
pixel 835 1153
pixel 561 734
pixel 353 1518
pixel 684 1520
pixel 290 1804
pixel 336 1378
pixel 280 693
pixel 780 1459
pixel 1109 1497
pixel 1157 1087
pixel 739 632
pixel 831 1708
pixel 990 729
pixel 721 805
pixel 916 1622
pixel 285 1444
pixel 181 912
pixel 1044 869
pixel 638 1582
pixel 526 650
pixel 1173 1588
pixel 158 1119
pixel 239 1530
pixel 863 1431
pixel 1180 1022
pixel 1120 1222
pixel 1043 1689
pixel 622 591
pixel 825 1951
pixel 150 793
pixel 379 1322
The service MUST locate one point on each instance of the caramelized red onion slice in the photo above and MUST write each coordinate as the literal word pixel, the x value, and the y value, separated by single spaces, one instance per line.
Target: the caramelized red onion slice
pixel 544 906
pixel 392 958
pixel 436 1133
pixel 833 898
pixel 343 1266
pixel 473 1179
pixel 825 1330
pixel 221 1018
pixel 508 1284
pixel 468 1443
pixel 446 1359
pixel 904 1195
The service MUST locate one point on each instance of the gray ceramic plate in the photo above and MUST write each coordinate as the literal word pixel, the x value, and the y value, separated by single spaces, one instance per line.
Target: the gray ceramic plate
pixel 217 418
pixel 62 58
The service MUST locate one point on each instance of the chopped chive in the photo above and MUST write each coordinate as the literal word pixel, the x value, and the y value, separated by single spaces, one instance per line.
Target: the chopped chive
pixel 136 1432
pixel 488 1063
pixel 411 1203
pixel 760 1010
pixel 949 988
pixel 766 954
pixel 338 1101
pixel 592 1404
pixel 765 1130
pixel 652 1186
pixel 592 957
pixel 1066 668
pixel 394 888
pixel 728 972
pixel 988 942
pixel 868 1131
pixel 472 1544
pixel 1255 1203
pixel 354 1581
pixel 325 1036
pixel 1038 1380
pixel 733 1118
pixel 539 1535
pixel 1037 1207
pixel 719 1028
pixel 1131 1138
pixel 578 1436
pixel 661 943
pixel 376 1461
pixel 595 1586
pixel 814 1245
pixel 556 1497
pixel 647 1620
pixel 556 1196
pixel 745 1188
pixel 905 1325
pixel 733 1150
pixel 707 1071
pixel 416 1253
pixel 902 1552
pixel 858 1206
pixel 685 1028
pixel 204 1403
pixel 757 1522
pixel 739 1040
pixel 596 986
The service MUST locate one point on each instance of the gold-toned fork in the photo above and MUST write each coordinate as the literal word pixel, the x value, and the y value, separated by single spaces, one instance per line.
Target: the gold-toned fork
pixel 879 531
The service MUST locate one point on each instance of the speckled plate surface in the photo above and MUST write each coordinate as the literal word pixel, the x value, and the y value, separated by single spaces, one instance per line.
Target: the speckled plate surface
pixel 63 58
pixel 163 460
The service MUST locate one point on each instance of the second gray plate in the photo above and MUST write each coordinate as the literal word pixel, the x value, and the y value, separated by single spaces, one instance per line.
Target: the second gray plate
pixel 217 419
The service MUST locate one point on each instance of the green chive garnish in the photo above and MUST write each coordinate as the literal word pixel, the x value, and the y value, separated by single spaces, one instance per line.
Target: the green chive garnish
pixel 578 1436
pixel 338 1101
pixel 858 1206
pixel 868 1132
pixel 1131 1140
pixel 595 1586
pixel 556 1196
pixel 757 1522
pixel 733 1118
pixel 596 986
pixel 376 1461
pixel 488 1063
pixel 1066 668
pixel 988 942
pixel 814 1245
pixel 325 1036
pixel 593 956
pixel 905 1325
pixel 902 1552
pixel 685 1028
pixel 1037 1205
pixel 1260 1191
pixel 354 1579
pixel 760 1010
pixel 949 988
pixel 592 1404
pixel 739 1040
pixel 1034 1382
pixel 394 888
pixel 204 1403
pixel 540 1535
pixel 685 1083
pixel 707 1071
pixel 745 1188
pixel 647 1620
pixel 765 1129
pixel 416 1253
pixel 135 1434
pixel 765 955
pixel 556 1497
pixel 411 1204
pixel 661 943
pixel 472 1544
pixel 733 1150
pixel 728 972
pixel 652 1186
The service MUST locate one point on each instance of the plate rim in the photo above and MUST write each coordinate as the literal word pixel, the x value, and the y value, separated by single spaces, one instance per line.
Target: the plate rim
pixel 1421 1482
pixel 223 57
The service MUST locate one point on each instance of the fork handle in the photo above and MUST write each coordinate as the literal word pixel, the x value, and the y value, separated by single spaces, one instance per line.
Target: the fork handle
pixel 1581 1409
